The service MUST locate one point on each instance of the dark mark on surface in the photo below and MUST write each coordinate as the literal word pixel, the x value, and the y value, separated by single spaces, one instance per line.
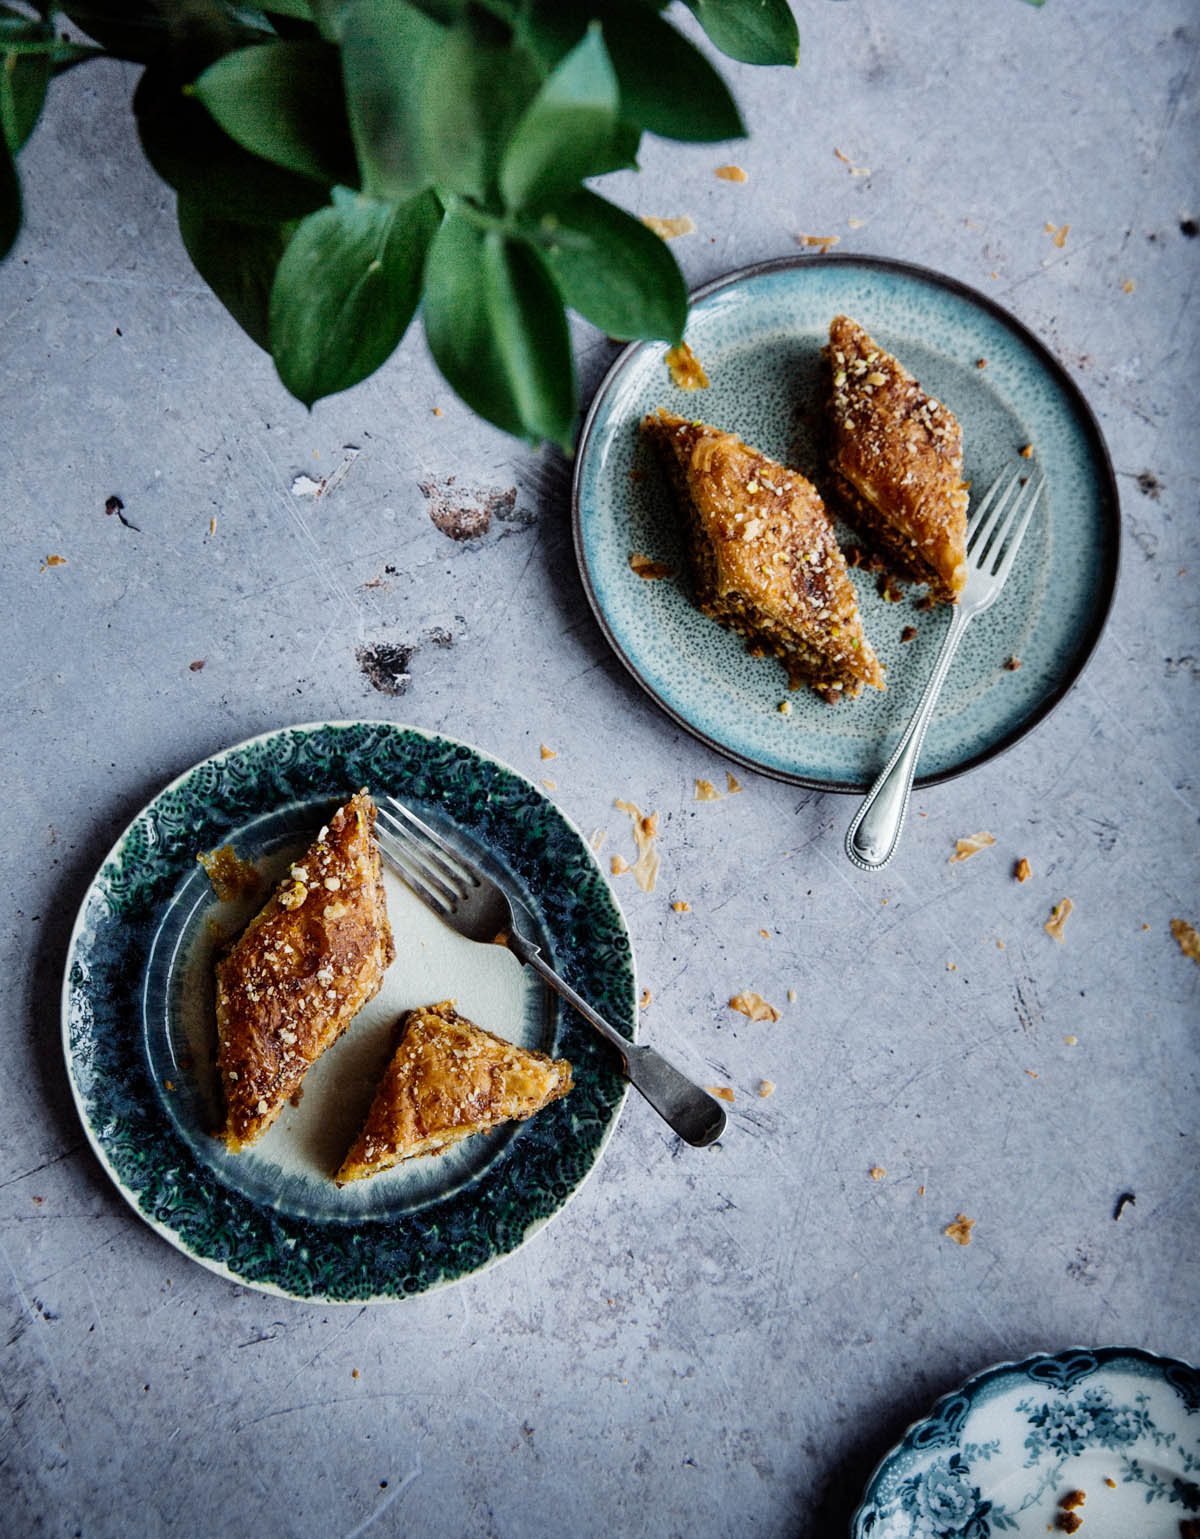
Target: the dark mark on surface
pixel 1027 1014
pixel 1149 485
pixel 1083 1268
pixel 1125 1200
pixel 1186 664
pixel 1190 228
pixel 196 666
pixel 113 505
pixel 440 636
pixel 385 666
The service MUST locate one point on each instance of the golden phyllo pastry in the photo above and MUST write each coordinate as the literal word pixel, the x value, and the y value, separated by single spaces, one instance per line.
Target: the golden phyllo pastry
pixel 897 463
pixel 302 970
pixel 447 1079
pixel 765 562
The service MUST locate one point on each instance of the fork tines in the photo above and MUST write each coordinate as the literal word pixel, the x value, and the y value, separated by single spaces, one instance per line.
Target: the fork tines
pixel 430 866
pixel 1003 516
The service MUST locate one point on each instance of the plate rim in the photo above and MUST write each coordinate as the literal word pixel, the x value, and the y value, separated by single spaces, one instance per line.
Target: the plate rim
pixel 1079 402
pixel 970 1386
pixel 174 1237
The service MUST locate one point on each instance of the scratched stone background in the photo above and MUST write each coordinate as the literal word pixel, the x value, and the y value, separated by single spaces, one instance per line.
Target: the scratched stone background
pixel 700 1343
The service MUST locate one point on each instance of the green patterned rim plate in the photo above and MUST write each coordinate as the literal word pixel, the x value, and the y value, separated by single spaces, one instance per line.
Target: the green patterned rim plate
pixel 139 1027
pixel 759 334
pixel 1016 1447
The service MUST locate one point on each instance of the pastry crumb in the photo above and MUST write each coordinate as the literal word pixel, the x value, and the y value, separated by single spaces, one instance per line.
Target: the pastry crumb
pixel 1012 664
pixel 1071 1500
pixel 971 845
pixel 849 164
pixel 731 174
pixel 645 833
pixel 619 865
pixel 766 934
pixel 647 567
pixel 877 1172
pixel 766 1087
pixel 791 994
pixel 644 1002
pixel 732 783
pixel 960 1230
pixel 722 1092
pixel 784 708
pixel 1057 922
pixel 1071 1041
pixel 599 835
pixel 548 753
pixel 685 368
pixel 551 785
pixel 1129 285
pixel 754 1006
pixel 981 363
pixel 821 243
pixel 909 633
pixel 707 792
pixel 681 224
pixel 1027 451
pixel 1022 870
pixel 1068 1522
pixel 681 907
pixel 1189 941
pixel 1059 232
pixel 53 561
pixel 1033 1074
pixel 230 875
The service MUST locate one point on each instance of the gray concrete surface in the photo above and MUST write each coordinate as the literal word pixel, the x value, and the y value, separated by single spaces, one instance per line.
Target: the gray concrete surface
pixel 699 1344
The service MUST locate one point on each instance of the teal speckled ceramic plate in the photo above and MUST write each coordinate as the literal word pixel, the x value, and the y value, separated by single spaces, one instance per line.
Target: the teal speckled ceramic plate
pixel 759 335
pixel 1013 1450
pixel 139 1026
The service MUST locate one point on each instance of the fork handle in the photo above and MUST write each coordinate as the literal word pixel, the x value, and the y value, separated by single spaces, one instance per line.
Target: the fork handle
pixel 692 1112
pixel 873 835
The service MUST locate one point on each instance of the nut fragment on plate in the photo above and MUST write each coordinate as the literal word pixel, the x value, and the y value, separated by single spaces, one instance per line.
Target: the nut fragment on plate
pixel 971 845
pixel 647 567
pixel 732 783
pixel 766 1087
pixel 707 792
pixel 1189 941
pixel 821 243
pixel 877 1172
pixel 1057 921
pixel 722 1092
pixel 754 1006
pixel 731 174
pixel 1022 870
pixel 960 1230
pixel 685 368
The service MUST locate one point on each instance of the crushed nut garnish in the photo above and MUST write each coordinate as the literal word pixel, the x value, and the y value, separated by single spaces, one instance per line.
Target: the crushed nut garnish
pixel 784 707
pixel 645 833
pixel 1022 870
pixel 731 174
pixel 685 368
pixel 722 1092
pixel 681 224
pixel 1059 232
pixel 766 1087
pixel 548 753
pixel 1012 664
pixel 1189 941
pixel 754 1006
pixel 1027 452
pixel 981 363
pixel 909 633
pixel 821 242
pixel 877 1172
pixel 889 589
pixel 707 792
pixel 971 845
pixel 647 567
pixel 960 1230
pixel 1058 919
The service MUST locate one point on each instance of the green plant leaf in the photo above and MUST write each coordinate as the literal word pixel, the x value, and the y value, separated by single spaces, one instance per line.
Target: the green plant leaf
pixel 667 85
pixel 195 156
pixel 237 261
pixel 607 265
pixel 23 81
pixel 570 130
pixel 754 31
pixel 387 49
pixel 283 101
pixel 346 289
pixel 10 201
pixel 496 328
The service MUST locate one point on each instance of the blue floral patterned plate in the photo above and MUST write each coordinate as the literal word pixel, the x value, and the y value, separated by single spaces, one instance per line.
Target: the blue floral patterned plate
pixel 1108 1434
pixel 759 334
pixel 139 1025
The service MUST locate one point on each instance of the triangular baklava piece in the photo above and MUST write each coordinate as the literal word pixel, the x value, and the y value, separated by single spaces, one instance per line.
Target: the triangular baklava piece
pixel 301 971
pixel 765 561
pixel 897 463
pixel 447 1079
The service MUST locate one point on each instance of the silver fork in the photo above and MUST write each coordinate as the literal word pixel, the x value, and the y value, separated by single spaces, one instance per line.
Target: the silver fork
pixel 472 903
pixel 994 536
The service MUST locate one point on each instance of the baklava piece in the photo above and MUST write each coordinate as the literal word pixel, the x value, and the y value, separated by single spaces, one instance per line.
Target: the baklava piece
pixel 447 1079
pixel 301 971
pixel 897 463
pixel 764 558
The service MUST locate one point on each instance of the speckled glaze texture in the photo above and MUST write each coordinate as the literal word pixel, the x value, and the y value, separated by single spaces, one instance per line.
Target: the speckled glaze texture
pixel 148 1128
pixel 759 335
